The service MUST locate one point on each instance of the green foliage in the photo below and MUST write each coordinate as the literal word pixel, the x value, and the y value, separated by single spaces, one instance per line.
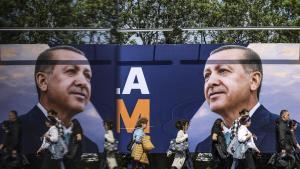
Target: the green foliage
pixel 147 14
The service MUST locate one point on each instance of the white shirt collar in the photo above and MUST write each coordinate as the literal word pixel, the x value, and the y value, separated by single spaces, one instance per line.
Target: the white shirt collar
pixel 42 108
pixel 251 112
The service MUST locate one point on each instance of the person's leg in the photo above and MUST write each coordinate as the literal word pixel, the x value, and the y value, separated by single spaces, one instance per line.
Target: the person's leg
pixel 216 164
pixel 47 162
pixel 249 159
pixel 241 164
pixel 61 164
pixel 189 160
pixel 234 163
pixel 135 164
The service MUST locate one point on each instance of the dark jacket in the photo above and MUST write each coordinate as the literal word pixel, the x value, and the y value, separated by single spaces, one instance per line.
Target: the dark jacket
pixel 291 141
pixel 281 134
pixel 12 136
pixel 218 145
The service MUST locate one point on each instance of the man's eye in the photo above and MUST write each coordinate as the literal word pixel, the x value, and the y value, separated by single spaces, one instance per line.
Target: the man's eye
pixel 223 71
pixel 88 77
pixel 71 71
pixel 206 76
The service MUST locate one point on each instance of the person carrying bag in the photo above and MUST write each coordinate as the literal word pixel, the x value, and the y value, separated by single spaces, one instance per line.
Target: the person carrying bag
pixel 141 146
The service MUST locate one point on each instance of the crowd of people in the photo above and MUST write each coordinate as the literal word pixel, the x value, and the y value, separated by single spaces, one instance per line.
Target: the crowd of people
pixel 237 149
pixel 60 148
pixel 61 145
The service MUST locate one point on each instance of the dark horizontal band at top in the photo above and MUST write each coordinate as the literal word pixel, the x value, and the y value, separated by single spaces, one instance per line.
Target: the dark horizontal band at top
pixel 153 62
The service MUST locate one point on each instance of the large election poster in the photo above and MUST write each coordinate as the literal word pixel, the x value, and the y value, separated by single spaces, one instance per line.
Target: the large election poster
pixel 163 83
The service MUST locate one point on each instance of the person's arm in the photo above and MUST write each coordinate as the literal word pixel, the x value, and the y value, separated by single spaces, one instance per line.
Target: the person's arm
pixel 77 131
pixel 53 135
pixel 282 135
pixel 138 135
pixel 181 137
pixel 44 145
pixel 214 137
pixel 109 136
pixel 243 134
pixel 294 140
pixel 78 137
pixel 251 144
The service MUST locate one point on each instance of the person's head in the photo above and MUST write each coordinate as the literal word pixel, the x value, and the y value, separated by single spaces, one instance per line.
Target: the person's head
pixel 108 125
pixel 62 77
pixel 142 123
pixel 12 115
pixel 293 124
pixel 50 121
pixel 52 113
pixel 233 76
pixel 245 120
pixel 284 115
pixel 218 125
pixel 182 125
pixel 244 112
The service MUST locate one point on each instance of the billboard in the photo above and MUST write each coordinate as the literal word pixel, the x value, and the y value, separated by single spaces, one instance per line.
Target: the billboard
pixel 163 83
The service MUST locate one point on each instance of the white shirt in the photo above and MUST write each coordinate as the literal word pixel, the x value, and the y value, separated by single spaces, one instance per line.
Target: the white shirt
pixel 42 108
pixel 242 132
pixel 109 136
pixel 251 112
pixel 181 136
pixel 52 134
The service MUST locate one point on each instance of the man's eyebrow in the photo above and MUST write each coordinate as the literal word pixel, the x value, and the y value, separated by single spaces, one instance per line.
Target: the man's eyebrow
pixel 67 66
pixel 76 67
pixel 206 70
pixel 226 65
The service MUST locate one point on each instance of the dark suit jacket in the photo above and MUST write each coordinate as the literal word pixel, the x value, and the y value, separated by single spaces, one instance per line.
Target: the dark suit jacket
pixel 33 127
pixel 263 126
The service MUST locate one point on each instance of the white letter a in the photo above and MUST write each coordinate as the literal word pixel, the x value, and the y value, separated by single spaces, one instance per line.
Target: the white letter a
pixel 136 72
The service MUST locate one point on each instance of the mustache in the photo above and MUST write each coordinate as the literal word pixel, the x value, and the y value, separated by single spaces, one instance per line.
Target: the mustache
pixel 212 91
pixel 81 91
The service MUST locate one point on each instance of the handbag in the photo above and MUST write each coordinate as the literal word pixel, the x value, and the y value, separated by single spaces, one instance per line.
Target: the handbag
pixel 221 151
pixel 111 147
pixel 178 147
pixel 147 144
pixel 73 148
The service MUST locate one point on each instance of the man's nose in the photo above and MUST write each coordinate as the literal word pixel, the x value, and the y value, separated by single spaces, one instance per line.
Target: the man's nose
pixel 81 80
pixel 213 80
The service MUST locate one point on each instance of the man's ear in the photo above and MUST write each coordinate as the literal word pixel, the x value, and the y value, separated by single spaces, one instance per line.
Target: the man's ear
pixel 42 81
pixel 256 78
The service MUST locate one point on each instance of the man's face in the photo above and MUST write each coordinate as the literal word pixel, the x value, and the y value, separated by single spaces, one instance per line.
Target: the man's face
pixel 227 85
pixel 69 86
pixel 286 116
pixel 12 117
